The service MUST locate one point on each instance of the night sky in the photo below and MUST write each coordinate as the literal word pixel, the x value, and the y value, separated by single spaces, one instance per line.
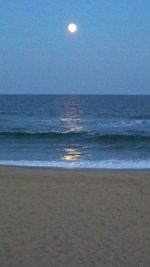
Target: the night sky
pixel 109 54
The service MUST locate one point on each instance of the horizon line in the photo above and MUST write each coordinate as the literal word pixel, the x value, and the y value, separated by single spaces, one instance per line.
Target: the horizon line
pixel 65 94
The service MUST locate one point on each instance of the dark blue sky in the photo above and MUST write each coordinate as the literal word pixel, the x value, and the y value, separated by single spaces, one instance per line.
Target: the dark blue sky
pixel 110 53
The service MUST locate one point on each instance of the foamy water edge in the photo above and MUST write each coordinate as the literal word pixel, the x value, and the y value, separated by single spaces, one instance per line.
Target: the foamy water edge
pixel 107 164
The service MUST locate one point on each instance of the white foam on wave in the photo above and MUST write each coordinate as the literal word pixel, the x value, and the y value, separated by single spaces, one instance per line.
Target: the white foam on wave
pixel 105 164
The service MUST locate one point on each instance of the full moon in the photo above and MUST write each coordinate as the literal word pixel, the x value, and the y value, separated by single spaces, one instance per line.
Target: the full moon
pixel 72 27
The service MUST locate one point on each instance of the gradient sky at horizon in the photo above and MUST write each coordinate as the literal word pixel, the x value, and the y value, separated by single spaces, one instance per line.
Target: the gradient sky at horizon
pixel 110 53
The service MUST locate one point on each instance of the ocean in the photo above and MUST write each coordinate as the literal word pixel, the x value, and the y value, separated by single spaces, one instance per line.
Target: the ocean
pixel 73 131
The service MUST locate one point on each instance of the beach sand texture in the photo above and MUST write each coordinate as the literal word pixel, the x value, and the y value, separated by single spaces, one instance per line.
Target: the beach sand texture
pixel 73 218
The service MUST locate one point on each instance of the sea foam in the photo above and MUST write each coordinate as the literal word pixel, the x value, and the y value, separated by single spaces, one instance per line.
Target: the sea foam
pixel 105 164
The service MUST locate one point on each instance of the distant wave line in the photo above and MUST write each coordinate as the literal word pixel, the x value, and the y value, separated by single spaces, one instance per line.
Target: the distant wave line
pixel 83 135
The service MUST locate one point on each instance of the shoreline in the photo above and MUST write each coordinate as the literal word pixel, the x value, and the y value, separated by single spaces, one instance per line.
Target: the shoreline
pixel 75 169
pixel 110 164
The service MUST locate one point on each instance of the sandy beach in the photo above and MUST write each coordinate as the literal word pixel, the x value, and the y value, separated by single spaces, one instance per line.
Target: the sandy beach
pixel 73 218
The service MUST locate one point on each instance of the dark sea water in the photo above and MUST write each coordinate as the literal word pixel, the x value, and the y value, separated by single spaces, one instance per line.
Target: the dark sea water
pixel 75 131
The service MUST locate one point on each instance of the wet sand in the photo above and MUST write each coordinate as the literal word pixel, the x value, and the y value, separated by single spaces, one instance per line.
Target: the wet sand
pixel 73 218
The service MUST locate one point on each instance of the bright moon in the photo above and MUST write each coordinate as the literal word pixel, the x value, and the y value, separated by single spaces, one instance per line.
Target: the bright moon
pixel 72 27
